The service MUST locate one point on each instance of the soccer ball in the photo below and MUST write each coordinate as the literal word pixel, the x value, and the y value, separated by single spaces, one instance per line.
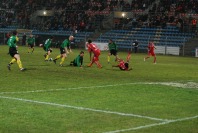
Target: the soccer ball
pixel 50 59
pixel 40 45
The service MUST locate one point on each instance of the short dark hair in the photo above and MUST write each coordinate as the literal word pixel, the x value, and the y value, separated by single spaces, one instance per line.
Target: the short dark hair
pixel 14 32
pixel 81 52
pixel 89 41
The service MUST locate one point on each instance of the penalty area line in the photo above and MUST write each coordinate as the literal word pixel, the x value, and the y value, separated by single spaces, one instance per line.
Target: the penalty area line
pixel 153 125
pixel 83 108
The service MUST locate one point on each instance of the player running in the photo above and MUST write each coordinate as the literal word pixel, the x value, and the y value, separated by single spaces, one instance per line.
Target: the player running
pixel 151 51
pixel 63 50
pixel 112 50
pixel 47 48
pixel 13 51
pixel 92 48
pixel 31 43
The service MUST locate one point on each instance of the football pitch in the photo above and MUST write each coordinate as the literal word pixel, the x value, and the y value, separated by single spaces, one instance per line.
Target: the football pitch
pixel 152 98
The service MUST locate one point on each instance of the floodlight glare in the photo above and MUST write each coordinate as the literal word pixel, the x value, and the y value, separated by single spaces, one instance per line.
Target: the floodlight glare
pixel 123 14
pixel 44 12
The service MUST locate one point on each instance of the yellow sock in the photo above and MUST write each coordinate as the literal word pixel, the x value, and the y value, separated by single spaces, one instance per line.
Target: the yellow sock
pixel 108 58
pixel 19 64
pixel 62 60
pixel 12 61
pixel 57 57
pixel 47 57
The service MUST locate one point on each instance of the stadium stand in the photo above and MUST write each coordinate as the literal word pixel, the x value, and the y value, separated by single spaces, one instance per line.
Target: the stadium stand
pixel 170 23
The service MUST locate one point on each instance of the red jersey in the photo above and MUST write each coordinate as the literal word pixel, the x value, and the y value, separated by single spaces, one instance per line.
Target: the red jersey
pixel 123 66
pixel 93 48
pixel 151 47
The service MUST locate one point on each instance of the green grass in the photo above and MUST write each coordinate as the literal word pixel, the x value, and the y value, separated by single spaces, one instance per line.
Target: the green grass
pixel 52 99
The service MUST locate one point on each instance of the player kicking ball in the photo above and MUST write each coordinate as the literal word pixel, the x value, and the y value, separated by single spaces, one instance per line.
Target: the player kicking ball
pixel 124 66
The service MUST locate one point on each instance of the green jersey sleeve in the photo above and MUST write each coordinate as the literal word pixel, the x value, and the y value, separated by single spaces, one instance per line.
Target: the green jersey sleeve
pixel 12 41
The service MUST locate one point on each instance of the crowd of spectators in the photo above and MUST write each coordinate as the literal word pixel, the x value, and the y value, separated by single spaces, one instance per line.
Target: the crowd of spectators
pixel 85 15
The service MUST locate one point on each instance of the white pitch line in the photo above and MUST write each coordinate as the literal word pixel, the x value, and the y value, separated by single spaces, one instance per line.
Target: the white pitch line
pixel 180 85
pixel 83 108
pixel 152 125
pixel 51 90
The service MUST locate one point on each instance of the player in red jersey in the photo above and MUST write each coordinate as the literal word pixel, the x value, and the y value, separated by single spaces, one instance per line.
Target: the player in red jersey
pixel 124 65
pixel 151 51
pixel 92 48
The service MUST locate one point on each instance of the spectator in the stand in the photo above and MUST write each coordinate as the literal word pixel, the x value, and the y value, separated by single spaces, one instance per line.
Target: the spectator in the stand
pixel 82 25
pixel 194 23
pixel 24 39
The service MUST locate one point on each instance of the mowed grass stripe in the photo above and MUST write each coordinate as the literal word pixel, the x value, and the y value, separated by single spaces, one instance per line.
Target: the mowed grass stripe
pixel 174 84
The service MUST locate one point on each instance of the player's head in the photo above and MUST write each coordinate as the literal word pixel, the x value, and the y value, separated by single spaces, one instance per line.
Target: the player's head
pixel 110 40
pixel 31 35
pixel 71 38
pixel 51 37
pixel 81 53
pixel 14 32
pixel 126 65
pixel 89 41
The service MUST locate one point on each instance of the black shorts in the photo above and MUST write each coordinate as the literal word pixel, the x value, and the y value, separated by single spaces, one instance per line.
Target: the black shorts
pixel 13 51
pixel 72 63
pixel 31 45
pixel 113 52
pixel 49 49
pixel 62 50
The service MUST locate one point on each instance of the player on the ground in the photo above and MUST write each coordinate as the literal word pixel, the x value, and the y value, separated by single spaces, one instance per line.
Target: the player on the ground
pixel 151 51
pixel 63 50
pixel 124 65
pixel 13 51
pixel 92 48
pixel 31 43
pixel 47 48
pixel 112 50
pixel 78 61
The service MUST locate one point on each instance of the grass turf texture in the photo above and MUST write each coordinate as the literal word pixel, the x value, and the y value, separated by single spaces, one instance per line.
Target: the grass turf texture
pixel 49 98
